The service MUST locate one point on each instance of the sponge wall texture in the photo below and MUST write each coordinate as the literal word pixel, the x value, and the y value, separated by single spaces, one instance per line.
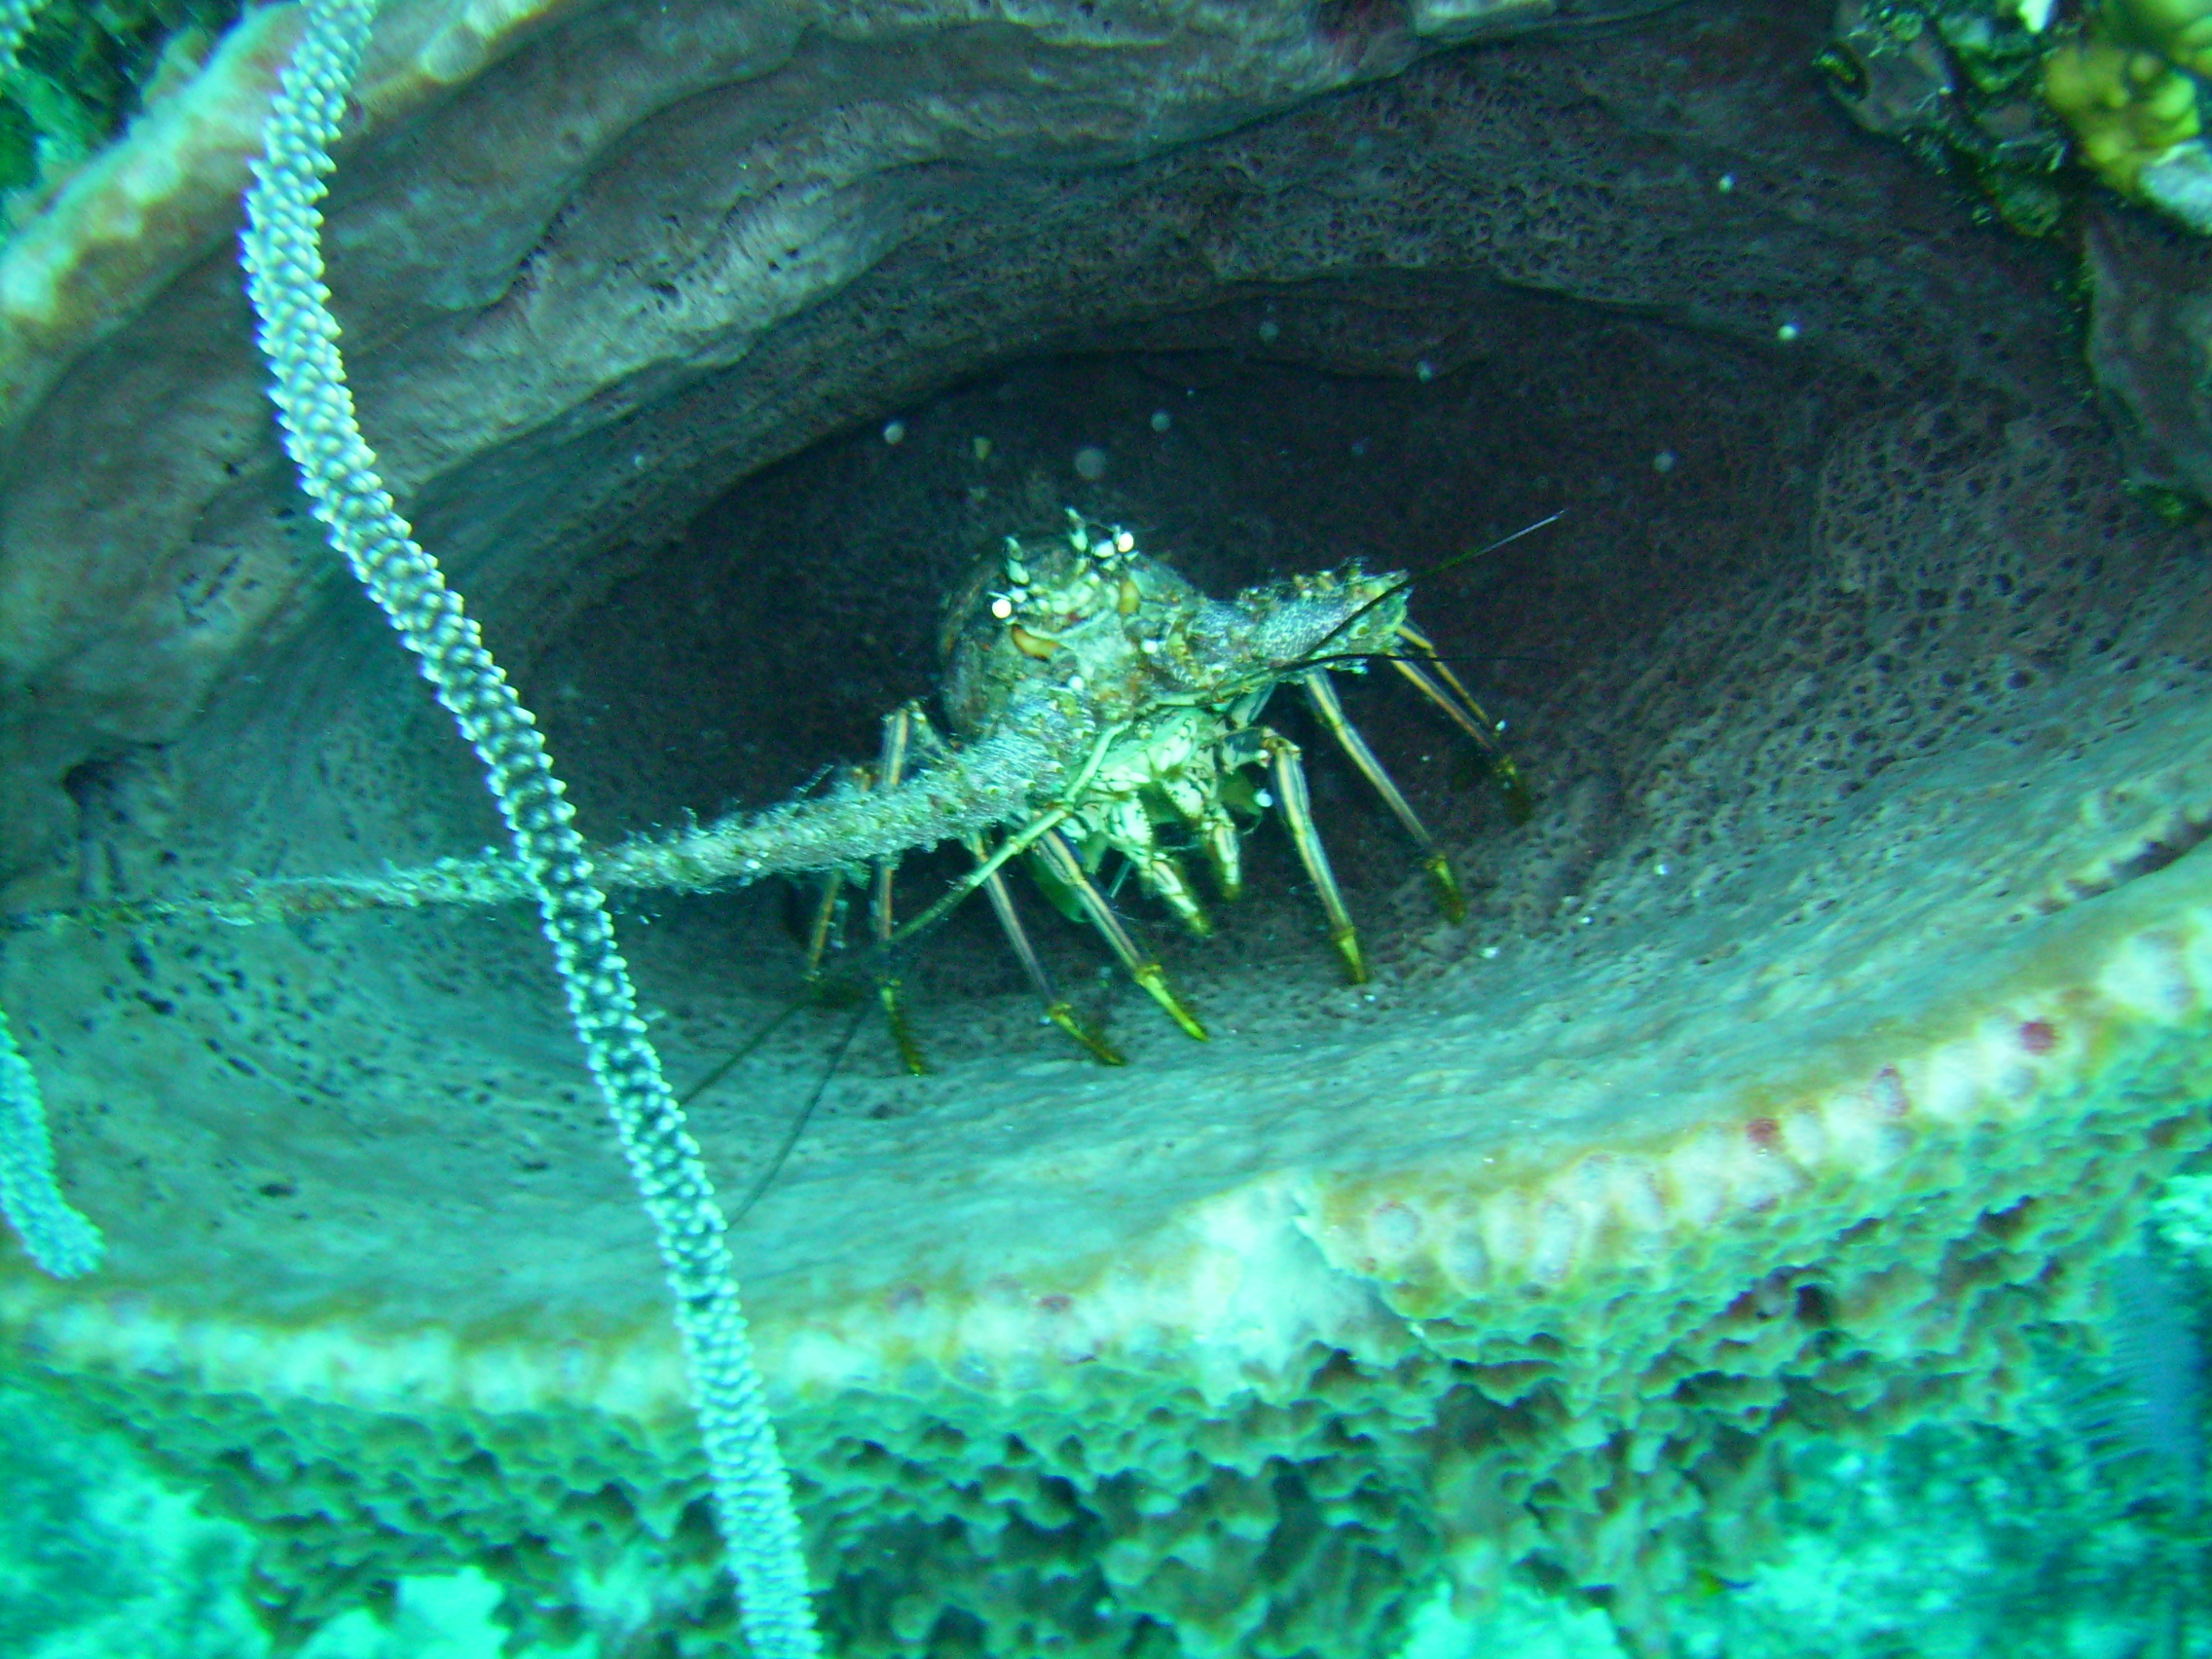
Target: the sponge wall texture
pixel 1241 1352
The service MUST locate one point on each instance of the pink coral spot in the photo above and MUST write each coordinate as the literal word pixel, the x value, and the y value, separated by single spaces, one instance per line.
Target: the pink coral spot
pixel 1055 1304
pixel 1890 1094
pixel 1395 1226
pixel 1765 1134
pixel 2038 1036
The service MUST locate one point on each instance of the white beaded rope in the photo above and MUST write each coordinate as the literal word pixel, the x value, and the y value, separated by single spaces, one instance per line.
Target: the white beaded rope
pixel 284 269
pixel 59 1239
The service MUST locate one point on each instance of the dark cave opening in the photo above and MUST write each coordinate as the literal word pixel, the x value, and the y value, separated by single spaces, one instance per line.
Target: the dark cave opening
pixel 742 658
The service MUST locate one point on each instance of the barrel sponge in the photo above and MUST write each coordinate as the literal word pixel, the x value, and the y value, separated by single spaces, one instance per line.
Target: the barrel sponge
pixel 1856 1050
pixel 1245 1352
pixel 1266 1421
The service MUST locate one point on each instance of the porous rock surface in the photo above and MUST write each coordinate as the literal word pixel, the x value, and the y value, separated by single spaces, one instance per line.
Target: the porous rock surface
pixel 2151 346
pixel 1827 1021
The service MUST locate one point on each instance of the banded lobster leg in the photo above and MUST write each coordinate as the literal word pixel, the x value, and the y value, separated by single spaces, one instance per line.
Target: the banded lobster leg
pixel 1323 696
pixel 1060 859
pixel 898 739
pixel 828 925
pixel 899 727
pixel 1295 804
pixel 1057 1008
pixel 1434 680
pixel 908 729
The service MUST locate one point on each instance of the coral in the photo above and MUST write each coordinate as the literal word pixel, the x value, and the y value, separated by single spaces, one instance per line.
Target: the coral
pixel 2179 30
pixel 2182 1216
pixel 2127 106
pixel 85 69
pixel 1990 92
pixel 2125 80
pixel 283 262
pixel 1955 81
pixel 16 20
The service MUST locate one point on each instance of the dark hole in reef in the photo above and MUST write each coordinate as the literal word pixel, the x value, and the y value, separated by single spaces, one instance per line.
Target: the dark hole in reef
pixel 2150 858
pixel 2156 855
pixel 747 657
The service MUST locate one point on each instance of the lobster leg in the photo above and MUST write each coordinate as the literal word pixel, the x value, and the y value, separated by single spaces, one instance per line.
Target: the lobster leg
pixel 1018 844
pixel 1057 1008
pixel 898 737
pixel 1436 682
pixel 1131 834
pixel 826 919
pixel 829 926
pixel 1323 696
pixel 1215 828
pixel 1298 812
pixel 924 739
pixel 1059 858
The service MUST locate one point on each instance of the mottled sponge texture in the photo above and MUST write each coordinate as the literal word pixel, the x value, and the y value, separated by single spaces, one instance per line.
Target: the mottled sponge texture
pixel 1245 1350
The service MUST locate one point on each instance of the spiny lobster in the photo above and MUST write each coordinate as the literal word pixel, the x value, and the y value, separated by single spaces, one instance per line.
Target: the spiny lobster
pixel 1099 704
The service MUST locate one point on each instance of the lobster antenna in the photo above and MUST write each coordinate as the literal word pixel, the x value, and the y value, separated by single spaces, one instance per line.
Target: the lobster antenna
pixel 745 1050
pixel 860 969
pixel 775 1166
pixel 1544 658
pixel 868 965
pixel 1420 576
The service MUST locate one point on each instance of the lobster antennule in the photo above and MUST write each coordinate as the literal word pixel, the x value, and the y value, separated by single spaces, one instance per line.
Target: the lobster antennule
pixel 974 788
pixel 989 782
